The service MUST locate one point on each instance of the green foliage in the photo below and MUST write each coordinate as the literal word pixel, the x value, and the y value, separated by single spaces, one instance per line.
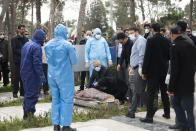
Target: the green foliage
pixel 6 89
pixel 174 14
pixel 187 11
pixel 121 13
pixel 110 33
pixel 96 17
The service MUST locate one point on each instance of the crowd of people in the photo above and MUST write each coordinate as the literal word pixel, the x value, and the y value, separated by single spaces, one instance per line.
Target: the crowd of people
pixel 150 60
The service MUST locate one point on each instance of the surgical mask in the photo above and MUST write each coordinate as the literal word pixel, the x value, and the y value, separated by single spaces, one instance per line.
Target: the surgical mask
pixel 87 37
pixel 147 31
pixel 97 69
pixel 98 36
pixel 2 36
pixel 132 37
pixel 27 36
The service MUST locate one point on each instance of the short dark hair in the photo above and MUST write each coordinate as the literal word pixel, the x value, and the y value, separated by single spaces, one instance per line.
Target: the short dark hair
pixel 183 25
pixel 119 27
pixel 146 25
pixel 156 27
pixel 20 26
pixel 135 29
pixel 176 30
pixel 163 29
pixel 121 35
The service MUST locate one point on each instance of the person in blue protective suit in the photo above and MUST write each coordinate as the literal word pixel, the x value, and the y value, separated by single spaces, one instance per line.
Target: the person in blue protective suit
pixel 97 48
pixel 31 71
pixel 61 56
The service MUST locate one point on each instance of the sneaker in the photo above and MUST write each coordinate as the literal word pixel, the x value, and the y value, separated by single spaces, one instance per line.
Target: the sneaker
pixel 57 128
pixel 146 120
pixel 68 128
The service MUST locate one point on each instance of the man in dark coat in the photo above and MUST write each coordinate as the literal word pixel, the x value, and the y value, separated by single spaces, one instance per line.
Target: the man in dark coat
pixel 17 43
pixel 32 74
pixel 154 70
pixel 4 61
pixel 181 85
pixel 189 33
pixel 107 83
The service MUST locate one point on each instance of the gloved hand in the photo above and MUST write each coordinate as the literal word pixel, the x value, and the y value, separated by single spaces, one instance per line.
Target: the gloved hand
pixel 167 79
pixel 43 79
pixel 110 63
pixel 87 65
pixel 140 71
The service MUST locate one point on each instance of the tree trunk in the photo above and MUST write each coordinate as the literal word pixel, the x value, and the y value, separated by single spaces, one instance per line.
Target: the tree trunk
pixel 38 13
pixel 142 9
pixel 22 11
pixel 10 34
pixel 191 14
pixel 32 10
pixel 3 12
pixel 51 23
pixel 81 19
pixel 132 13
pixel 13 17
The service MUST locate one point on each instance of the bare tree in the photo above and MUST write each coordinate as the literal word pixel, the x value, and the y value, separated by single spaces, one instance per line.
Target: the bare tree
pixel 38 13
pixel 51 23
pixel 13 16
pixel 23 11
pixel 191 14
pixel 5 4
pixel 141 5
pixel 132 12
pixel 81 19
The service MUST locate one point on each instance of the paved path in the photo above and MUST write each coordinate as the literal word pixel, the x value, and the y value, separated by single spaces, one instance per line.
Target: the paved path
pixel 121 123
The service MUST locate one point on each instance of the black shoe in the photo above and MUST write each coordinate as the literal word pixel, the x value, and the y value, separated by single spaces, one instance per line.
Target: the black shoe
pixel 166 116
pixel 46 93
pixel 130 115
pixel 5 85
pixel 15 95
pixel 146 120
pixel 25 116
pixel 57 128
pixel 182 129
pixel 21 94
pixel 68 128
pixel 175 127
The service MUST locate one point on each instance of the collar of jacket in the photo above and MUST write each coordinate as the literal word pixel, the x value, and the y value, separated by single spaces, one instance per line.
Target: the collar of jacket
pixel 178 39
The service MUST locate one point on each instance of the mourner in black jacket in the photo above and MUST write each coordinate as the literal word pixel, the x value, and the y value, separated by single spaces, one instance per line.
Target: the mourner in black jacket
pixel 107 83
pixel 17 43
pixel 181 85
pixel 155 67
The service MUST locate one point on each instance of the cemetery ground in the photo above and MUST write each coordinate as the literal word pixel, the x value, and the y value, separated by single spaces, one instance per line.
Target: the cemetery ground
pixel 84 119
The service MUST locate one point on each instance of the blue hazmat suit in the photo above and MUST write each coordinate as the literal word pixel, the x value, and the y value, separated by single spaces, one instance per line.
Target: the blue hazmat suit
pixel 61 56
pixel 31 70
pixel 97 49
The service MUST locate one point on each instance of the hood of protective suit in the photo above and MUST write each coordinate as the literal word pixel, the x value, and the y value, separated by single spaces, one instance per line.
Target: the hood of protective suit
pixel 39 36
pixel 96 31
pixel 60 31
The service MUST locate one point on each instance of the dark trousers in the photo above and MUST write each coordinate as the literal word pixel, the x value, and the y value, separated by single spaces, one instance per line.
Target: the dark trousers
pixel 82 78
pixel 138 90
pixel 17 81
pixel 45 85
pixel 5 72
pixel 181 105
pixel 154 83
pixel 164 96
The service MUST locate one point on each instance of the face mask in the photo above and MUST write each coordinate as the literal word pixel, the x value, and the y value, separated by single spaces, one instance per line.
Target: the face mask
pixel 87 37
pixel 97 69
pixel 98 36
pixel 132 37
pixel 27 36
pixel 2 36
pixel 147 31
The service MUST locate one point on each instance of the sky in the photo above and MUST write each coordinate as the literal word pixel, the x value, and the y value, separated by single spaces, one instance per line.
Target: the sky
pixel 71 10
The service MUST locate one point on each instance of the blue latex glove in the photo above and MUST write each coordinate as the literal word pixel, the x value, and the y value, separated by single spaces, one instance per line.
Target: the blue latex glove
pixel 43 79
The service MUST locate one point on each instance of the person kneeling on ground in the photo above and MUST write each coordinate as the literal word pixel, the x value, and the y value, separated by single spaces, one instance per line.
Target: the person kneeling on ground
pixel 106 83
